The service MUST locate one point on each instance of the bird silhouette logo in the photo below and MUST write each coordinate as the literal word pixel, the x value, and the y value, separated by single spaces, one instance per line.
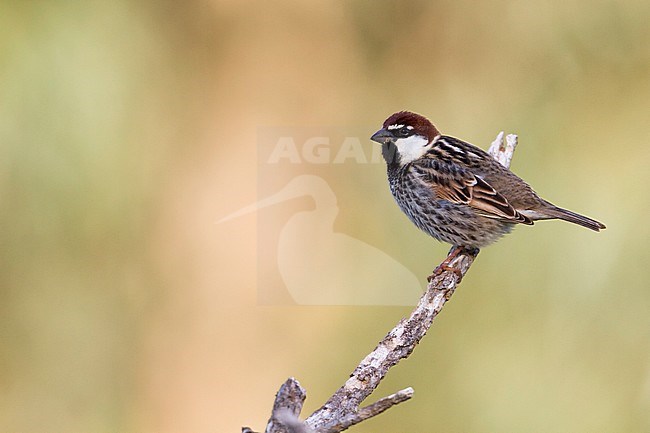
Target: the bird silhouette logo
pixel 320 266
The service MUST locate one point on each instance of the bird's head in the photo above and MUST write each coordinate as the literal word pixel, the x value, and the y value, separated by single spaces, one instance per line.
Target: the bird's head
pixel 405 137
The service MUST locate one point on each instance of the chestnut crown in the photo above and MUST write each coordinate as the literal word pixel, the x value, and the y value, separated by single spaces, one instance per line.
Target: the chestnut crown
pixel 406 123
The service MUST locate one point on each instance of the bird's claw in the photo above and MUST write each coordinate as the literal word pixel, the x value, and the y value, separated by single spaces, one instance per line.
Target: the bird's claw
pixel 444 266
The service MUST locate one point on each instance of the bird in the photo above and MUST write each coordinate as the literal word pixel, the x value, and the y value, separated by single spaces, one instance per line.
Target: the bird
pixel 456 192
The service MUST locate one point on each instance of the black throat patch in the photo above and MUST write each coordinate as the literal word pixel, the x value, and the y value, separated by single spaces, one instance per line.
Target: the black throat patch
pixel 389 151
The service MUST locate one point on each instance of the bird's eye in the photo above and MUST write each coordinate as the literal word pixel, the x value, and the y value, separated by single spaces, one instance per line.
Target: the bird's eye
pixel 404 132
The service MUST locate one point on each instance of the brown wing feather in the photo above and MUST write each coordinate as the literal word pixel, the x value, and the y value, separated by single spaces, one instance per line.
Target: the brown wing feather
pixel 463 187
pixel 487 199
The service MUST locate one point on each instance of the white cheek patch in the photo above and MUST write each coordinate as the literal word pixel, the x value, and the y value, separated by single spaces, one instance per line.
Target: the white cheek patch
pixel 412 148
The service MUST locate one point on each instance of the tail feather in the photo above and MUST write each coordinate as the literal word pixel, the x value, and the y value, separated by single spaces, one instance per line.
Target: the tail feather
pixel 572 217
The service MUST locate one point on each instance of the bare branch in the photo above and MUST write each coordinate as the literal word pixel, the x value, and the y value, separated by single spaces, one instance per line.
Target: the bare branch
pixel 503 151
pixel 372 410
pixel 286 408
pixel 397 345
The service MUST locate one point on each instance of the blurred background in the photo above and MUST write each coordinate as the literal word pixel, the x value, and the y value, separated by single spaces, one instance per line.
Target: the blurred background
pixel 128 128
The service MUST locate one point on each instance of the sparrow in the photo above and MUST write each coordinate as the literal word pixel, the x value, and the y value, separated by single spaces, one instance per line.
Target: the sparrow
pixel 455 191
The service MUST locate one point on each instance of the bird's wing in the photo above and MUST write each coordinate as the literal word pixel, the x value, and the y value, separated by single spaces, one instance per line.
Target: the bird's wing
pixel 454 184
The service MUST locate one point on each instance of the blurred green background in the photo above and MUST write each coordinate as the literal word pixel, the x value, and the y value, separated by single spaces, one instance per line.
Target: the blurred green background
pixel 127 128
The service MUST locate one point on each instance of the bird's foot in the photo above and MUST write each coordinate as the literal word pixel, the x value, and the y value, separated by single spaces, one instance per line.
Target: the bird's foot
pixel 445 265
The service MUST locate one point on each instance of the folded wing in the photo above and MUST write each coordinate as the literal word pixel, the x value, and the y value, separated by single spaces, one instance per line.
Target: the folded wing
pixel 460 186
